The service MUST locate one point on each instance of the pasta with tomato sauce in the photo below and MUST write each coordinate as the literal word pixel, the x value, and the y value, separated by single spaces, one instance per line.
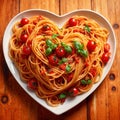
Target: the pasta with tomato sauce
pixel 59 62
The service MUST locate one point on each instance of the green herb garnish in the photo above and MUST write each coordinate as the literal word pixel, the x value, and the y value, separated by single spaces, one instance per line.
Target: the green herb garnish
pixel 89 81
pixel 48 51
pixel 49 42
pixel 86 82
pixel 68 68
pixel 80 49
pixel 78 45
pixel 54 36
pixel 63 60
pixel 50 46
pixel 62 95
pixel 83 52
pixel 87 28
pixel 66 47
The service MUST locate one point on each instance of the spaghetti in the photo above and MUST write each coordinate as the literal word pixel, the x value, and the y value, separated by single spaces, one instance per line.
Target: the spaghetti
pixel 59 62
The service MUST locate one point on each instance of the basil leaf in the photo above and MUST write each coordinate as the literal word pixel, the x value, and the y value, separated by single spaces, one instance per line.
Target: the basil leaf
pixel 48 51
pixel 82 52
pixel 53 46
pixel 63 44
pixel 63 60
pixel 54 36
pixel 68 68
pixel 49 42
pixel 89 81
pixel 87 28
pixel 78 45
pixel 66 47
pixel 84 82
pixel 62 95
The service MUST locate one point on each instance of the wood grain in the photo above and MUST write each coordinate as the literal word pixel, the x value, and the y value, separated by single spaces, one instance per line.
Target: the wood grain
pixel 103 104
pixel 52 5
pixel 70 5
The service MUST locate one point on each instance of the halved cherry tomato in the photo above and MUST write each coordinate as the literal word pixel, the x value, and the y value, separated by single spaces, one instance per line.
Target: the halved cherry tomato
pixel 46 27
pixel 91 45
pixel 24 37
pixel 72 22
pixel 73 91
pixel 105 58
pixel 26 50
pixel 53 60
pixel 60 51
pixel 107 47
pixel 24 21
pixel 32 84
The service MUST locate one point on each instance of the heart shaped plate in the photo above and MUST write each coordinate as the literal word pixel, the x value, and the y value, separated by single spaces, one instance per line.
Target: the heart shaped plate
pixel 59 20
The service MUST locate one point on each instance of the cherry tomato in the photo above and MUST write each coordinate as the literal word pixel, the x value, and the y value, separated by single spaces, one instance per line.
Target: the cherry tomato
pixel 72 22
pixel 107 47
pixel 53 60
pixel 74 91
pixel 62 66
pixel 105 58
pixel 24 37
pixel 32 84
pixel 46 27
pixel 60 51
pixel 24 21
pixel 91 45
pixel 26 50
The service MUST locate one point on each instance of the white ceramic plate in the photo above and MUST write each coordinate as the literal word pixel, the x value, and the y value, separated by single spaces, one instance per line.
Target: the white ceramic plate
pixel 59 20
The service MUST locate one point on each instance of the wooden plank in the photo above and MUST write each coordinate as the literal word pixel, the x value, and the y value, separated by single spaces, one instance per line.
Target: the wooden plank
pixel 5 8
pixel 107 95
pixel 7 11
pixel 12 106
pixel 114 84
pixel 51 5
pixel 70 5
pixel 97 103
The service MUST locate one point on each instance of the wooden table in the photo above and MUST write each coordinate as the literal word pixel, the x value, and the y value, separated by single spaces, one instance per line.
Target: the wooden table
pixel 103 104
